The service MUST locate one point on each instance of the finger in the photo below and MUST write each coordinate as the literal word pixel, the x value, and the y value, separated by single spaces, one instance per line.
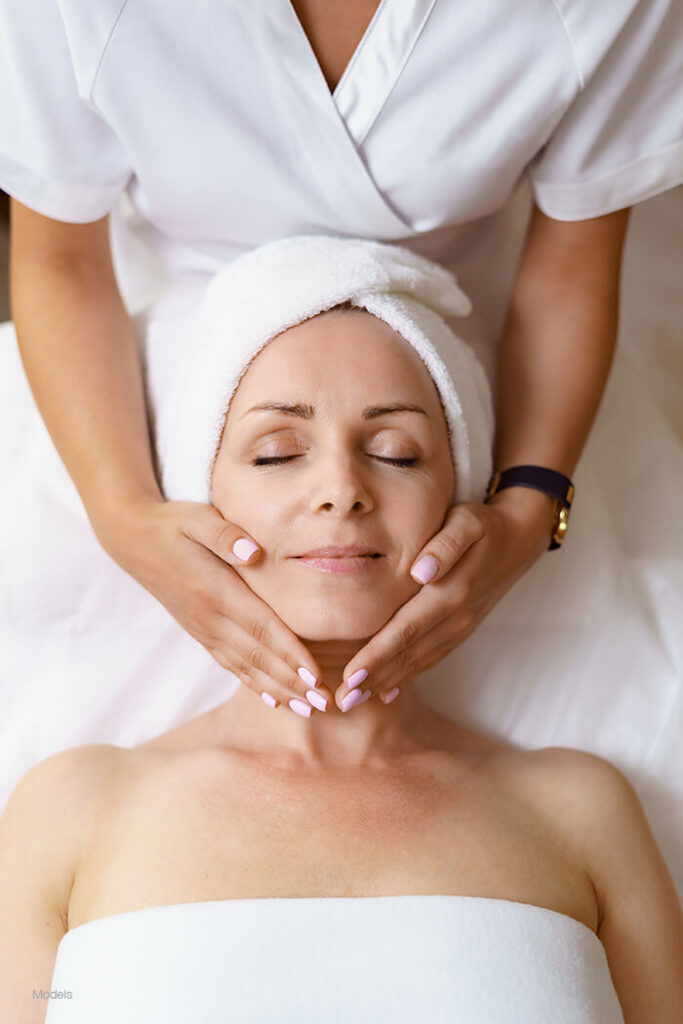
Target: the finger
pixel 259 669
pixel 393 643
pixel 428 650
pixel 436 643
pixel 227 616
pixel 390 688
pixel 262 647
pixel 205 525
pixel 259 647
pixel 264 685
pixel 463 528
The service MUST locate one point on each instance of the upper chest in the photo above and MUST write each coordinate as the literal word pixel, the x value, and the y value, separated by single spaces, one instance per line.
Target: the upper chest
pixel 194 835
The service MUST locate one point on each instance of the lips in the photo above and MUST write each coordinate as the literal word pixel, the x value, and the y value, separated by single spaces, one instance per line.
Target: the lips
pixel 337 551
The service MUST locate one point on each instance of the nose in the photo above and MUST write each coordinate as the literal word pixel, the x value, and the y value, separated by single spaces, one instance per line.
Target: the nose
pixel 339 486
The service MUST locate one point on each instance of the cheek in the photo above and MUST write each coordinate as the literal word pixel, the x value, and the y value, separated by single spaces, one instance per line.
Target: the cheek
pixel 249 502
pixel 422 515
pixel 239 495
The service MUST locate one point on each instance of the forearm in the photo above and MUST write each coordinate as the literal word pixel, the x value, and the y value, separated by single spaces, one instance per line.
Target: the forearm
pixel 81 358
pixel 556 351
pixel 554 361
pixel 558 341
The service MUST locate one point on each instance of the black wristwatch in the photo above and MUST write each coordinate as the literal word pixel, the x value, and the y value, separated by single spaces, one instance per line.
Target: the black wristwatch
pixel 556 485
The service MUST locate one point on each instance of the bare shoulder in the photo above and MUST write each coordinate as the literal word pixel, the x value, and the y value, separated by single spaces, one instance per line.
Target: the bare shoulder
pixel 573 792
pixel 62 793
pixel 570 779
pixel 43 828
pixel 599 813
pixel 590 800
pixel 58 801
pixel 70 777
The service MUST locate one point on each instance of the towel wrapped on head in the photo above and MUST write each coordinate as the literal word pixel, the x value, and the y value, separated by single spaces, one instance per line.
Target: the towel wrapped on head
pixel 280 284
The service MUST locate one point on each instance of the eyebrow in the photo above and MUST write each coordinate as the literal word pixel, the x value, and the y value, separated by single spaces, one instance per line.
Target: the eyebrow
pixel 307 412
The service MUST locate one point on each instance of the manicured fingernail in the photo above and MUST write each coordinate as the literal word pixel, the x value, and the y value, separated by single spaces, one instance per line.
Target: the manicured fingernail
pixel 317 700
pixel 268 699
pixel 425 570
pixel 387 698
pixel 307 676
pixel 366 696
pixel 300 707
pixel 357 678
pixel 351 699
pixel 244 548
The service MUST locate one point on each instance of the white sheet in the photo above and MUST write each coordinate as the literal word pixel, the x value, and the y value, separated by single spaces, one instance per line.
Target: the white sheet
pixel 587 651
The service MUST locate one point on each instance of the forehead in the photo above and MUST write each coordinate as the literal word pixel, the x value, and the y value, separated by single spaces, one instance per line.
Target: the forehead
pixel 340 356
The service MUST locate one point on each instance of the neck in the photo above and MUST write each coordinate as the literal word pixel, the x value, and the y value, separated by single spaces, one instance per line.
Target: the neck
pixel 368 733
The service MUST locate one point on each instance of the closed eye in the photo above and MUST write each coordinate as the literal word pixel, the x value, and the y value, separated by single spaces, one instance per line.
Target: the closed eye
pixel 273 460
pixel 399 462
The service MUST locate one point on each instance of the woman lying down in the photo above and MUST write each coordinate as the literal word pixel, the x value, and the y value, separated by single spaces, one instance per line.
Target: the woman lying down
pixel 383 863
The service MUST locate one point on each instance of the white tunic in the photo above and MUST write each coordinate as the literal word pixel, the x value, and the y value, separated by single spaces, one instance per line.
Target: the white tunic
pixel 218 122
pixel 369 960
pixel 219 125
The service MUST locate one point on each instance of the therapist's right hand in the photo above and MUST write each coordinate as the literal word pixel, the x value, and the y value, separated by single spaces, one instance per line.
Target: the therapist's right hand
pixel 183 553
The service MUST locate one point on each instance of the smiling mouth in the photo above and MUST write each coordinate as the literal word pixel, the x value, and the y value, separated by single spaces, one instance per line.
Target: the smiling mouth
pixel 349 550
pixel 338 556
pixel 344 564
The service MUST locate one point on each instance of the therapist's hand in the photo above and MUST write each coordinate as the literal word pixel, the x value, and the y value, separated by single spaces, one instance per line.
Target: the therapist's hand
pixel 480 551
pixel 183 553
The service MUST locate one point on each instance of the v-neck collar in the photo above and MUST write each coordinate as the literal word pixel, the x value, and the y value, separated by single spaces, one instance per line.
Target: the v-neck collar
pixel 377 63
pixel 331 126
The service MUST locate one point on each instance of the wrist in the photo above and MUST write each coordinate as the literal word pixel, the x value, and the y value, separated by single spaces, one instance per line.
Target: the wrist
pixel 119 523
pixel 532 510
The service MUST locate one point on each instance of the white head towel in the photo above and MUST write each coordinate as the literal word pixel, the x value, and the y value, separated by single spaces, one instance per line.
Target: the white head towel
pixel 283 283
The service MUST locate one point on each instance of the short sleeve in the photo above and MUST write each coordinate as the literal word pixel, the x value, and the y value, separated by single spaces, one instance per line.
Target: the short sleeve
pixel 57 155
pixel 621 139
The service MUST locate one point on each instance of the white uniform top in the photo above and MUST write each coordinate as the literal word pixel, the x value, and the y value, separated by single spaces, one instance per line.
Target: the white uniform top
pixel 219 125
pixel 218 122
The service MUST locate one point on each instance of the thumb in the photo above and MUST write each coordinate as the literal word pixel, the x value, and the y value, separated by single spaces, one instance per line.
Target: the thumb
pixel 231 543
pixel 462 528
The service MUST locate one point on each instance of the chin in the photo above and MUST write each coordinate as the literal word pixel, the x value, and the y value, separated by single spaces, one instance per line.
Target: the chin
pixel 323 622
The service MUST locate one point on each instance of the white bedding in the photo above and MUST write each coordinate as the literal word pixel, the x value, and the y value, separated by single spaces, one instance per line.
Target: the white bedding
pixel 586 651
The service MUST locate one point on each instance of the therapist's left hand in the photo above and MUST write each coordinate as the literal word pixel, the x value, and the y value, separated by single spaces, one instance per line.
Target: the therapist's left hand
pixel 479 553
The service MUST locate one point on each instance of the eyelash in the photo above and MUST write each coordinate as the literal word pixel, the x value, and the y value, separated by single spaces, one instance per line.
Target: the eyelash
pixel 273 460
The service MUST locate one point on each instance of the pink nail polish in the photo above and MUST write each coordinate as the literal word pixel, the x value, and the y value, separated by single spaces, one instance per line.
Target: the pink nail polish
pixel 366 696
pixel 244 548
pixel 357 678
pixel 300 707
pixel 425 570
pixel 351 699
pixel 387 698
pixel 307 676
pixel 316 699
pixel 268 699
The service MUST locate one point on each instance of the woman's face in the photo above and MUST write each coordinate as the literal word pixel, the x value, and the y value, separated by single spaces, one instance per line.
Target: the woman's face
pixel 330 464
